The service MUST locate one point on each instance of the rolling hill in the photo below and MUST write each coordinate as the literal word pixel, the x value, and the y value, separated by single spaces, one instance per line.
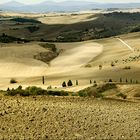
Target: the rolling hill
pixel 77 61
pixel 69 75
pixel 70 27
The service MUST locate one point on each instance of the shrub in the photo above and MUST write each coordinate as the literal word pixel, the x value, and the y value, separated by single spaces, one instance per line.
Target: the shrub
pixel 137 95
pixel 11 92
pixel 82 93
pixel 23 20
pixel 106 87
pixel 97 91
pixel 33 28
pixel 20 87
pixel 110 80
pixel 88 66
pixel 49 87
pixel 28 91
pixel 127 67
pixel 57 93
pixel 112 64
pixel 74 94
pixel 52 47
pixel 122 95
pixel 97 94
pixel 93 91
pixel 24 93
pixel 95 85
pixel 34 91
pixel 13 81
pixel 9 39
pixel 135 29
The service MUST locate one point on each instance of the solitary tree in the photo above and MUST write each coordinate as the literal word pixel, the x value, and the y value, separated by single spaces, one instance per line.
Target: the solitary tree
pixel 120 80
pixel 90 81
pixel 77 83
pixel 43 80
pixel 69 83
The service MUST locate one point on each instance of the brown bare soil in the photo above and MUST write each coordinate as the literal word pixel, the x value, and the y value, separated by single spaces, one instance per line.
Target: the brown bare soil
pixel 68 118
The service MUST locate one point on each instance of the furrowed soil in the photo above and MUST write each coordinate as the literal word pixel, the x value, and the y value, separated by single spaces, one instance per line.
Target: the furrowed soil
pixel 74 118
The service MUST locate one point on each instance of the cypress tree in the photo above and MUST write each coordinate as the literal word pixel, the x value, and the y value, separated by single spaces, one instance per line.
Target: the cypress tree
pixel 110 80
pixel 90 81
pixel 69 83
pixel 64 84
pixel 77 83
pixel 43 80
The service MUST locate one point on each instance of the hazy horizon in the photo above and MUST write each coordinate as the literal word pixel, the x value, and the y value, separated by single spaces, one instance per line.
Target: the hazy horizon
pixel 39 1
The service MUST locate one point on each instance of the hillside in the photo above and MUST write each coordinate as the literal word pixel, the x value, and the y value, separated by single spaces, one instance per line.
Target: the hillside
pixel 77 61
pixel 70 75
pixel 72 28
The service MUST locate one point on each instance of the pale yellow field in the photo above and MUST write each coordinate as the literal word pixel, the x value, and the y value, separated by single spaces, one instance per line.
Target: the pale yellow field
pixel 77 61
pixel 56 18
pixel 17 60
pixel 68 18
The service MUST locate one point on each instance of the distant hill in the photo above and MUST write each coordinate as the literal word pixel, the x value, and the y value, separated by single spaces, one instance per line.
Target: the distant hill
pixel 103 26
pixel 13 4
pixel 50 6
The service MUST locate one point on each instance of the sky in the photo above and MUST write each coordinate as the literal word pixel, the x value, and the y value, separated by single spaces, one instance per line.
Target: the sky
pixel 101 1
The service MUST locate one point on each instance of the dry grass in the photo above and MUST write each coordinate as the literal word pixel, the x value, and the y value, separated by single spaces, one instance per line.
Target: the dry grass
pixel 18 60
pixel 68 18
pixel 70 64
